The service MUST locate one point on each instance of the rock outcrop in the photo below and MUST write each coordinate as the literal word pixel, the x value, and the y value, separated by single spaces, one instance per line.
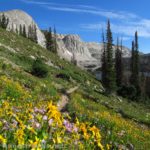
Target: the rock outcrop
pixel 87 54
pixel 19 17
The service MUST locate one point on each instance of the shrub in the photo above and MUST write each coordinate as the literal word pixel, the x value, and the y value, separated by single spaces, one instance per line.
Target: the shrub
pixel 127 92
pixel 39 69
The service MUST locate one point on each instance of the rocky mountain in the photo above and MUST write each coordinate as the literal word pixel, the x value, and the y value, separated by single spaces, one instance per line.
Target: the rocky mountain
pixel 19 17
pixel 86 54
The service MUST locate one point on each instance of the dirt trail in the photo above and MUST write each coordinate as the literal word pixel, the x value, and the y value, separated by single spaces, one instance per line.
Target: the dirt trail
pixel 65 98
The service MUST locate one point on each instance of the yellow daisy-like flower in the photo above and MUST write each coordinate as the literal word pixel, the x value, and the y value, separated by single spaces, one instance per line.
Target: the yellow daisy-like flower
pixel 2 140
pixel 19 136
pixel 35 144
pixel 31 129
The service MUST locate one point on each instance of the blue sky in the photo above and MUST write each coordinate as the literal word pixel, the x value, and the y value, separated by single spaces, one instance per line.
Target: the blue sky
pixel 88 17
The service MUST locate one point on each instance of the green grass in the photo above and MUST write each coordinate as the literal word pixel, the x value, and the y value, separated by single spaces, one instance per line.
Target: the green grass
pixel 89 102
pixel 116 130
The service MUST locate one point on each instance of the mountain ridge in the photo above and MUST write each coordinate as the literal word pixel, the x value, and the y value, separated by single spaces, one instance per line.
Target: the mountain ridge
pixel 86 54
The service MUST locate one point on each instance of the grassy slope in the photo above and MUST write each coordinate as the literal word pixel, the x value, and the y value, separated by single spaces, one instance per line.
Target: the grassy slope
pixel 17 66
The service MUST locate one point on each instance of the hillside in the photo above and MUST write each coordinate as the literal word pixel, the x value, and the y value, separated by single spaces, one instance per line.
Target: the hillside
pixel 121 124
pixel 87 54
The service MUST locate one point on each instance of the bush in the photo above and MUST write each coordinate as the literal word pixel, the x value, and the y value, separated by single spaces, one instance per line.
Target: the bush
pixel 39 69
pixel 127 92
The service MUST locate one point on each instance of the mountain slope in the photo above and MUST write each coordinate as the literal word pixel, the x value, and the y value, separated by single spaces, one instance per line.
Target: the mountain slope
pixel 87 55
pixel 113 115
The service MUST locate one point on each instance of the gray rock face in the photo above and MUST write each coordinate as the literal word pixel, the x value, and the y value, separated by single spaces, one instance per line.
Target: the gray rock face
pixel 19 17
pixel 87 54
pixel 70 46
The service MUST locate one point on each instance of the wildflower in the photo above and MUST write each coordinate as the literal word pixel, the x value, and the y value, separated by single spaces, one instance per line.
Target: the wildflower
pixel 58 139
pixel 68 125
pixel 2 140
pixel 19 135
pixel 50 122
pixel 31 129
pixel 108 147
pixel 45 118
pixel 37 125
pixel 77 121
pixel 94 130
pixel 36 144
pixel 75 129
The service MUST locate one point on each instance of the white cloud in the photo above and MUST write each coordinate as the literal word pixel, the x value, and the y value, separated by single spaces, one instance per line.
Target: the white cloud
pixel 83 9
pixel 124 28
pixel 123 23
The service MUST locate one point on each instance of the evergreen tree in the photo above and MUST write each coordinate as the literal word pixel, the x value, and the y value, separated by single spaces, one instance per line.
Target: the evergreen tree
pixel 20 30
pixel 49 40
pixel 110 67
pixel 134 79
pixel 103 60
pixel 32 33
pixel 136 59
pixel 137 69
pixel 55 40
pixel 4 21
pixel 34 29
pixel 118 64
pixel 24 31
pixel 29 32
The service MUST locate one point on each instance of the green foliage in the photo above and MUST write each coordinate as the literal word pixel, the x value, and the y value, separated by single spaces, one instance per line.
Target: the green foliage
pixel 103 114
pixel 32 33
pixel 51 43
pixel 134 79
pixel 104 60
pixel 119 64
pixel 39 69
pixel 127 92
pixel 110 79
pixel 24 32
pixel 111 124
pixel 4 21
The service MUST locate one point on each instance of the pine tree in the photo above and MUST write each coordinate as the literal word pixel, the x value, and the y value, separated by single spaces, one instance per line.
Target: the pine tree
pixel 55 40
pixel 137 70
pixel 118 64
pixel 49 40
pixel 134 79
pixel 136 58
pixel 4 21
pixel 110 68
pixel 29 32
pixel 103 60
pixel 32 33
pixel 20 30
pixel 24 31
pixel 34 30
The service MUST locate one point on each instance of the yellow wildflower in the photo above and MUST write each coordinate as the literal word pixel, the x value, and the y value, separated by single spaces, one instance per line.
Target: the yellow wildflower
pixel 31 129
pixel 36 144
pixel 2 140
pixel 19 135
